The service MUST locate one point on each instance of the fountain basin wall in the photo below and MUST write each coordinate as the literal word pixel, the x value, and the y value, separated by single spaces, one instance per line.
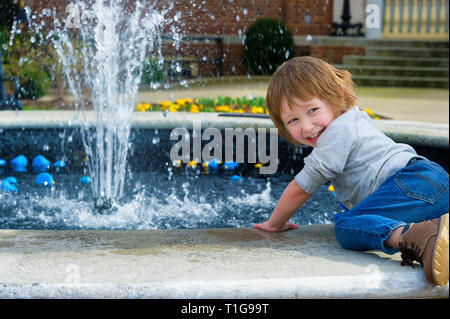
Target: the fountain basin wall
pixel 56 133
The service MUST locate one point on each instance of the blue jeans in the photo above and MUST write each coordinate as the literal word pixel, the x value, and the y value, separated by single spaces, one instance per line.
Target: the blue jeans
pixel 416 192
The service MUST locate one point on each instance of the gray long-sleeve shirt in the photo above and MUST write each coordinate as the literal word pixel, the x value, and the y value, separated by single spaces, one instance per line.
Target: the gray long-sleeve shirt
pixel 355 156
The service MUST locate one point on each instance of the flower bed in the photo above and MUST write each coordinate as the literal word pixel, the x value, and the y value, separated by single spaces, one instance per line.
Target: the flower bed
pixel 255 105
pixel 220 104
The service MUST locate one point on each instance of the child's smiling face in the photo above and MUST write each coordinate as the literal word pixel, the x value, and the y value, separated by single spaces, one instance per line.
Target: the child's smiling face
pixel 307 120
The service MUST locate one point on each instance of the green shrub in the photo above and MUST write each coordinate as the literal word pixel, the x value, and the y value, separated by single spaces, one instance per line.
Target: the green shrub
pixel 34 81
pixel 152 72
pixel 30 61
pixel 268 43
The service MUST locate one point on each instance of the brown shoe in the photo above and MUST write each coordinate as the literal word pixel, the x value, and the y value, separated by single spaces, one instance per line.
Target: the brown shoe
pixel 427 243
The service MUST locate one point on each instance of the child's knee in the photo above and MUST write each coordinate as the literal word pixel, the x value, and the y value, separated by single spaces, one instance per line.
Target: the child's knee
pixel 349 237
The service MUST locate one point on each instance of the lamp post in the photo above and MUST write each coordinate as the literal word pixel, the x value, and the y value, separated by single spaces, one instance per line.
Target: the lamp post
pixel 346 25
pixel 21 16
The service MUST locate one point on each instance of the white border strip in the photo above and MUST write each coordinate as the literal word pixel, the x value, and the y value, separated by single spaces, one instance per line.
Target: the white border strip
pixel 392 285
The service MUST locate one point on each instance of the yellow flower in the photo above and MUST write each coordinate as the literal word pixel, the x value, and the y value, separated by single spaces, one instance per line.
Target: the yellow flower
pixel 164 103
pixel 183 101
pixel 239 111
pixel 369 111
pixel 192 164
pixel 147 106
pixel 194 108
pixel 173 107
pixel 140 108
pixel 223 108
pixel 257 109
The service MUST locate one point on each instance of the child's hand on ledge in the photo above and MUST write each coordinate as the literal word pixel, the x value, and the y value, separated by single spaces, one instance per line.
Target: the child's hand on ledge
pixel 270 228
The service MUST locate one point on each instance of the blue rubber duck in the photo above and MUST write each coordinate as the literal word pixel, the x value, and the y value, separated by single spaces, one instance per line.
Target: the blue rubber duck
pixel 40 164
pixel 19 163
pixel 230 166
pixel 9 184
pixel 11 180
pixel 236 178
pixel 214 164
pixel 45 179
pixel 2 165
pixel 59 164
pixel 85 180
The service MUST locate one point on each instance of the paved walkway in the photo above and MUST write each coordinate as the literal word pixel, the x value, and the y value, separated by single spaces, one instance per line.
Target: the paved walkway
pixel 405 104
pixel 408 104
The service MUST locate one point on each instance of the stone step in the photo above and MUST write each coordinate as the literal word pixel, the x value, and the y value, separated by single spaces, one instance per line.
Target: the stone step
pixel 400 81
pixel 399 51
pixel 407 43
pixel 401 63
pixel 393 60
pixel 386 70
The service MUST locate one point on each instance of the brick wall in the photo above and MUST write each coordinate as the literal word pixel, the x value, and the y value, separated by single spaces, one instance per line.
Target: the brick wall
pixel 302 17
pixel 233 18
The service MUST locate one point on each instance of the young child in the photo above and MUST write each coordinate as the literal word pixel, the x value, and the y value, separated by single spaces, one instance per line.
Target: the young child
pixel 396 199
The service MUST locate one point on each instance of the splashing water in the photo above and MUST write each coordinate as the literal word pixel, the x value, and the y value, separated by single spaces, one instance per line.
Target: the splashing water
pixel 154 202
pixel 102 54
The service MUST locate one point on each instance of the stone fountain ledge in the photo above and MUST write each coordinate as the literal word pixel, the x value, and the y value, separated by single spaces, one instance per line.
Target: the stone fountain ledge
pixel 207 263
pixel 416 133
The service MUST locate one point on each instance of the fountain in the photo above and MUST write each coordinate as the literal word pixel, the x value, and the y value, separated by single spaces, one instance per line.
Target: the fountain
pixel 102 48
pixel 110 46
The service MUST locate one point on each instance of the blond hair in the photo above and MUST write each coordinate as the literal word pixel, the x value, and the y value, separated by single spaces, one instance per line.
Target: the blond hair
pixel 306 78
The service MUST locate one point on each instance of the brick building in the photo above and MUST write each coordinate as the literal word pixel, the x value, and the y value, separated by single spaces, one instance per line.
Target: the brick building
pixel 229 20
